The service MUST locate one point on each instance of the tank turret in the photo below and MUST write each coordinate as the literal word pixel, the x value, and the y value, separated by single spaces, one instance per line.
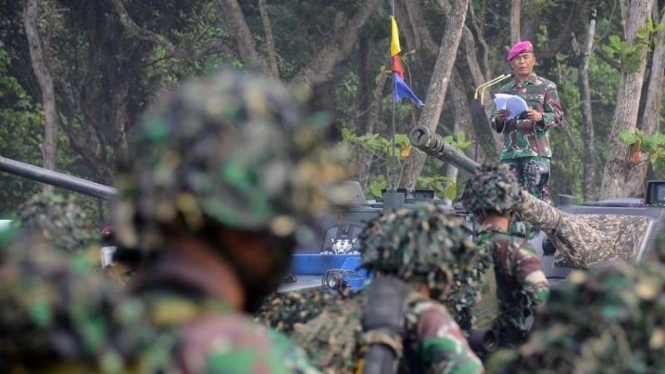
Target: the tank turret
pixel 56 179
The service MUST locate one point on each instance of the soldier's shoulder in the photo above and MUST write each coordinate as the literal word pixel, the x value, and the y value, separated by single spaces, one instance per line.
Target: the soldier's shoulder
pixel 546 83
pixel 233 341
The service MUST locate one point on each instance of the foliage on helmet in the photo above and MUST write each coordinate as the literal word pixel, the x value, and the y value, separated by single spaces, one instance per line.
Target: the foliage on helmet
pixel 492 189
pixel 424 244
pixel 51 308
pixel 607 320
pixel 58 219
pixel 233 149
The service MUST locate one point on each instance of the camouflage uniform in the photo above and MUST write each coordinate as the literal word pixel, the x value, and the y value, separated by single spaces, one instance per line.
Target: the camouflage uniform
pixel 229 153
pixel 610 320
pixel 422 245
pixel 527 141
pixel 59 220
pixel 586 240
pixel 55 311
pixel 520 281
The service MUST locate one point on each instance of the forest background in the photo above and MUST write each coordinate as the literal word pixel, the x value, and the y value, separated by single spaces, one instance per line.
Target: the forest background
pixel 75 76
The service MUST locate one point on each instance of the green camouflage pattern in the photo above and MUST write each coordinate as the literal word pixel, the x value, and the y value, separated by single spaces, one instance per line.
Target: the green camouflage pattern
pixel 181 335
pixel 424 244
pixel 492 189
pixel 523 137
pixel 517 167
pixel 284 310
pixel 521 285
pixel 55 311
pixel 609 320
pixel 59 219
pixel 586 240
pixel 232 149
pixel 433 342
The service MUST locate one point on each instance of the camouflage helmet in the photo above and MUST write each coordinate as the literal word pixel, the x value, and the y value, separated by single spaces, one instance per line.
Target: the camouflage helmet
pixel 492 188
pixel 607 320
pixel 59 219
pixel 234 150
pixel 51 308
pixel 422 244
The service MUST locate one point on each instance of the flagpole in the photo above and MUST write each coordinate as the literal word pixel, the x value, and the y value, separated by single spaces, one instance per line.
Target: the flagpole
pixel 393 181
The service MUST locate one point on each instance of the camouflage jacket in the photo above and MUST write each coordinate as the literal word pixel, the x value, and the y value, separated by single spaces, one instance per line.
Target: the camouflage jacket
pixel 523 137
pixel 521 283
pixel 189 331
pixel 433 343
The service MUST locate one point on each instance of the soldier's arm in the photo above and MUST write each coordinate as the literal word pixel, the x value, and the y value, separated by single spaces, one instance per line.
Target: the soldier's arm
pixel 553 110
pixel 442 347
pixel 531 276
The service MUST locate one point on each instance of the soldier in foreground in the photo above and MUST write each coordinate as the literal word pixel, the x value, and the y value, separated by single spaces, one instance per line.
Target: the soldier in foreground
pixel 608 320
pixel 226 178
pixel 493 195
pixel 55 310
pixel 415 255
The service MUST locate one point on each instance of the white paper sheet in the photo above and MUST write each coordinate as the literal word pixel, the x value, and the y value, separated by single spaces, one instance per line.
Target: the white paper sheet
pixel 514 104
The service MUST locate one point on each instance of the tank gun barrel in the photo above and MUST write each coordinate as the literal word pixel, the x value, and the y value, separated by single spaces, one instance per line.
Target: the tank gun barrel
pixel 57 179
pixel 433 145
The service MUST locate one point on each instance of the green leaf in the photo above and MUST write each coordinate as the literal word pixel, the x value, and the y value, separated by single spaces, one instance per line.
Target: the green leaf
pixel 451 191
pixel 628 137
pixel 376 187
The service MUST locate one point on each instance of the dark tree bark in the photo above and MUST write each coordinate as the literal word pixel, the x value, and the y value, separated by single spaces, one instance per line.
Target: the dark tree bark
pixel 515 17
pixel 628 100
pixel 243 36
pixel 43 73
pixel 270 42
pixel 436 93
pixel 636 177
pixel 366 158
pixel 589 161
pixel 463 120
pixel 364 90
pixel 566 35
pixel 336 49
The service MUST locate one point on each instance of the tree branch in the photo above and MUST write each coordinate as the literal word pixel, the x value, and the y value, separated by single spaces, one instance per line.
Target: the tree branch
pixel 609 60
pixel 336 49
pixel 243 36
pixel 45 79
pixel 272 56
pixel 565 36
pixel 211 46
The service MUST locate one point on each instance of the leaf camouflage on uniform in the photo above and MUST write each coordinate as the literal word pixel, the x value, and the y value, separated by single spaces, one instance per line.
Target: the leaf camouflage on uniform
pixel 59 219
pixel 608 321
pixel 283 310
pixel 423 245
pixel 586 240
pixel 54 311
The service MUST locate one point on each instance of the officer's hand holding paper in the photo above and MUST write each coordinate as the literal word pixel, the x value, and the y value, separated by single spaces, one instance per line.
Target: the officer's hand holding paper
pixel 515 105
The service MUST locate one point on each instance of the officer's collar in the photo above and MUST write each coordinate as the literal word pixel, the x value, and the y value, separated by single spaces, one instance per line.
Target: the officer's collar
pixel 532 80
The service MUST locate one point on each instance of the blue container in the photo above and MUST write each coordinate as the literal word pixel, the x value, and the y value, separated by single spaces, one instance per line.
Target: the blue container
pixel 315 264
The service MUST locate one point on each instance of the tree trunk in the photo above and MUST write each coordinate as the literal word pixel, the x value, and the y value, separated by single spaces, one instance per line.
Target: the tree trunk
pixel 337 49
pixel 589 161
pixel 365 159
pixel 270 42
pixel 45 79
pixel 451 171
pixel 436 93
pixel 515 16
pixel 363 98
pixel 626 111
pixel 651 120
pixel 243 36
pixel 463 120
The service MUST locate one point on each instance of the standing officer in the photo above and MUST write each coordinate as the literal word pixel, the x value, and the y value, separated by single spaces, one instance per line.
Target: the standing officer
pixel 526 143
